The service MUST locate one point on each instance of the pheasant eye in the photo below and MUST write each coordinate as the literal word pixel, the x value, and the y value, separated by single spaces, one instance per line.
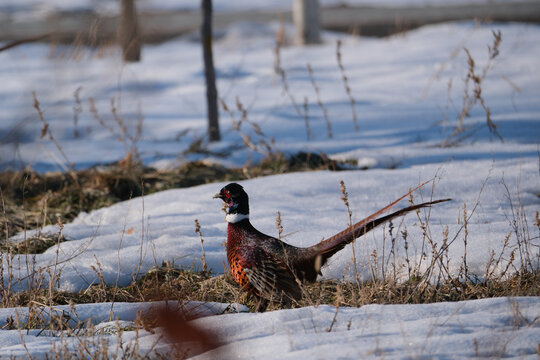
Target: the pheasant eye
pixel 227 195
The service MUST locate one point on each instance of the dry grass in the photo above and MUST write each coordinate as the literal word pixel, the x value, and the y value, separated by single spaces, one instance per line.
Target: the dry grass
pixel 395 283
pixel 30 200
pixel 346 84
pixel 169 283
pixel 473 95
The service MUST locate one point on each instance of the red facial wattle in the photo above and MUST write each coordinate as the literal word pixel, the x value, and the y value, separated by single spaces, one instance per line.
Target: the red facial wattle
pixel 228 199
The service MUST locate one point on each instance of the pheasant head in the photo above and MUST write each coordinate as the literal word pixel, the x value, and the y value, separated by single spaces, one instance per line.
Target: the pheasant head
pixel 236 202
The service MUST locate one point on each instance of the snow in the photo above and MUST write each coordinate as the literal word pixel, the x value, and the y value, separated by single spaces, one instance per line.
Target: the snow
pixel 100 313
pixel 492 328
pixel 389 331
pixel 131 237
pixel 402 93
pixel 400 86
pixel 108 318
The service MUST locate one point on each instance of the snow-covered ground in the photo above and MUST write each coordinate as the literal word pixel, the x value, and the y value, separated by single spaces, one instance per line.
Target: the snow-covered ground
pixel 161 226
pixel 404 105
pixel 489 328
pixel 400 85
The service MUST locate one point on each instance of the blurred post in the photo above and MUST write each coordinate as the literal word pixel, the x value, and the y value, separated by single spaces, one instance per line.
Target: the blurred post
pixel 209 72
pixel 128 32
pixel 306 21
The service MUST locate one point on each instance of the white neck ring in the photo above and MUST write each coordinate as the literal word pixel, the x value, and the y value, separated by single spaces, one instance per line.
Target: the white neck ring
pixel 234 218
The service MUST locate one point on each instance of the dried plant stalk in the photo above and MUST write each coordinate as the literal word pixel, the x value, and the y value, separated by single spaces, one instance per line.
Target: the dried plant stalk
pixel 346 84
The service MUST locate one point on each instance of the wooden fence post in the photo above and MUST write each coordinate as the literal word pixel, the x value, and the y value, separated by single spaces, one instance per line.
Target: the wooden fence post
pixel 209 71
pixel 128 31
pixel 306 21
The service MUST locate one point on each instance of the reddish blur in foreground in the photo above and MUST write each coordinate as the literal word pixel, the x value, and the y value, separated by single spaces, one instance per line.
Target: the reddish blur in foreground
pixel 179 330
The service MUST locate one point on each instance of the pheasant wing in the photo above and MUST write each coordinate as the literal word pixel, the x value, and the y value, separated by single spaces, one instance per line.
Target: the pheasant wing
pixel 273 279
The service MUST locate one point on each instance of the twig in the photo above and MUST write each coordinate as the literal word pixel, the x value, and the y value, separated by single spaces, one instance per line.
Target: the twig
pixel 77 110
pixel 477 79
pixel 309 134
pixel 279 226
pixel 203 257
pixel 47 131
pixel 319 102
pixel 345 199
pixel 346 83
pixel 24 41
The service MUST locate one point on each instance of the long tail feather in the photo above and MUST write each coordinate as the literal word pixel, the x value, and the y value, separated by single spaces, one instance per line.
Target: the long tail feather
pixel 330 246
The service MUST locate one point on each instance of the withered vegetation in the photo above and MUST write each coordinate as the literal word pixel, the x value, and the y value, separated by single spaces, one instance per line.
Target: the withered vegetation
pixel 30 200
pixel 172 283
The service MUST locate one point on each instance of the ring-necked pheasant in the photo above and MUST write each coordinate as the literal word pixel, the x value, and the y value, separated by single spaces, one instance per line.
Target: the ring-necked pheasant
pixel 271 269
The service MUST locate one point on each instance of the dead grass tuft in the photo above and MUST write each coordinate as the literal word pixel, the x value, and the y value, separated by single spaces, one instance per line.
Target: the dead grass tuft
pixel 33 245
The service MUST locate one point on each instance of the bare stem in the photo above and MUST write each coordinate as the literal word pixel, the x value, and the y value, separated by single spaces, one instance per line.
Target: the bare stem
pixel 346 84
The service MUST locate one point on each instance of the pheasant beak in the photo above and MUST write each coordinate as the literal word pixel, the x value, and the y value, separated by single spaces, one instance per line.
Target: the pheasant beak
pixel 218 196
